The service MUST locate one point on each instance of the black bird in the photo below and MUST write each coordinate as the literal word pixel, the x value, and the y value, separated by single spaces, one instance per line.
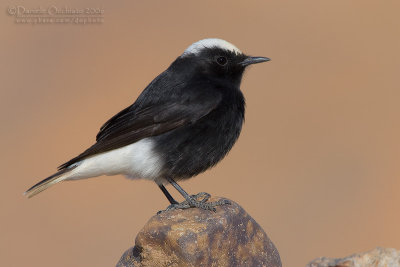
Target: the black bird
pixel 184 122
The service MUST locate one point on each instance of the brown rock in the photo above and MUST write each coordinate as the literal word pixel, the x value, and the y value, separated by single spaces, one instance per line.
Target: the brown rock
pixel 379 257
pixel 196 237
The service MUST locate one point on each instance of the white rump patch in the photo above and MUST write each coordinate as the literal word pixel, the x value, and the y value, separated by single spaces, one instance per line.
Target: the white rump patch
pixel 210 43
pixel 137 160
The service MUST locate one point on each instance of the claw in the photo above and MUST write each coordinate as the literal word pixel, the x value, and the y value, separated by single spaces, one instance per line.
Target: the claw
pixel 198 201
pixel 203 196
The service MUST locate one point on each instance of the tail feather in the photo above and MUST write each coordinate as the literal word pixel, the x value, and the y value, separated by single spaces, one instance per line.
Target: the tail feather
pixel 49 181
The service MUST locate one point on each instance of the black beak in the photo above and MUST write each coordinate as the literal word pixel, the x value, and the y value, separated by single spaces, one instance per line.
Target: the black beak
pixel 253 60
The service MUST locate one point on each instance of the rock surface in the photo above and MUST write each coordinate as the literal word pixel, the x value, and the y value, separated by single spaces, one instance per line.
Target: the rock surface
pixel 196 237
pixel 379 257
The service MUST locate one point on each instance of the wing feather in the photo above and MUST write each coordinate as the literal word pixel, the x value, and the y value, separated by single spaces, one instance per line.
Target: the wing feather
pixel 140 121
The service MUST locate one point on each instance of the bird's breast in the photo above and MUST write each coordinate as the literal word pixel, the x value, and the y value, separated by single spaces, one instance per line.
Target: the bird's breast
pixel 194 148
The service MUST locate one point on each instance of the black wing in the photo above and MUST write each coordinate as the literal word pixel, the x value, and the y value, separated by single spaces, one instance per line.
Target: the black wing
pixel 135 123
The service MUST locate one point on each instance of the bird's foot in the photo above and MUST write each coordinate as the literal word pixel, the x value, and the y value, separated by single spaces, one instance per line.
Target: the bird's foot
pixel 199 201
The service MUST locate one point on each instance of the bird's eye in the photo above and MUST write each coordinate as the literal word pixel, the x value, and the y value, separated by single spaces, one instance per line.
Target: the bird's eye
pixel 221 60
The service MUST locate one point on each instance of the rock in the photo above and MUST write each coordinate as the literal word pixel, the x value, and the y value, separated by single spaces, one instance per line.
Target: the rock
pixel 196 237
pixel 379 257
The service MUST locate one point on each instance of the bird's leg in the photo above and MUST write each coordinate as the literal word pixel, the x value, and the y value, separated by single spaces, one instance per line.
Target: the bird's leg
pixel 193 201
pixel 168 195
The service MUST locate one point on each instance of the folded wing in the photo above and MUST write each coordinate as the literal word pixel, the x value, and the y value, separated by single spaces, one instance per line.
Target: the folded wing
pixel 140 121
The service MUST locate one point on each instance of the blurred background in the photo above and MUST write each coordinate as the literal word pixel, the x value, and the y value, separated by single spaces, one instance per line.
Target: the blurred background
pixel 317 163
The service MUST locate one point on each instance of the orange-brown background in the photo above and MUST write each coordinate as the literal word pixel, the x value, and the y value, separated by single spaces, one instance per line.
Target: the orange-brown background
pixel 317 164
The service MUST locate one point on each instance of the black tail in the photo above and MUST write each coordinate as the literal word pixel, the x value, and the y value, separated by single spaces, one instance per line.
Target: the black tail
pixel 49 181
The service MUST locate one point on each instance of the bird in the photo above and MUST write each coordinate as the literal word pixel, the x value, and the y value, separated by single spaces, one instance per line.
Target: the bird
pixel 183 123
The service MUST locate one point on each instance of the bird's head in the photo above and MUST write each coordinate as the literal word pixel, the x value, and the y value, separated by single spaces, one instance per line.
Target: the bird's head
pixel 216 59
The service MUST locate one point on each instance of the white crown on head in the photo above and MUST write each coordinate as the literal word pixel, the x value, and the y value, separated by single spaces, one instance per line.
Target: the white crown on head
pixel 196 47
